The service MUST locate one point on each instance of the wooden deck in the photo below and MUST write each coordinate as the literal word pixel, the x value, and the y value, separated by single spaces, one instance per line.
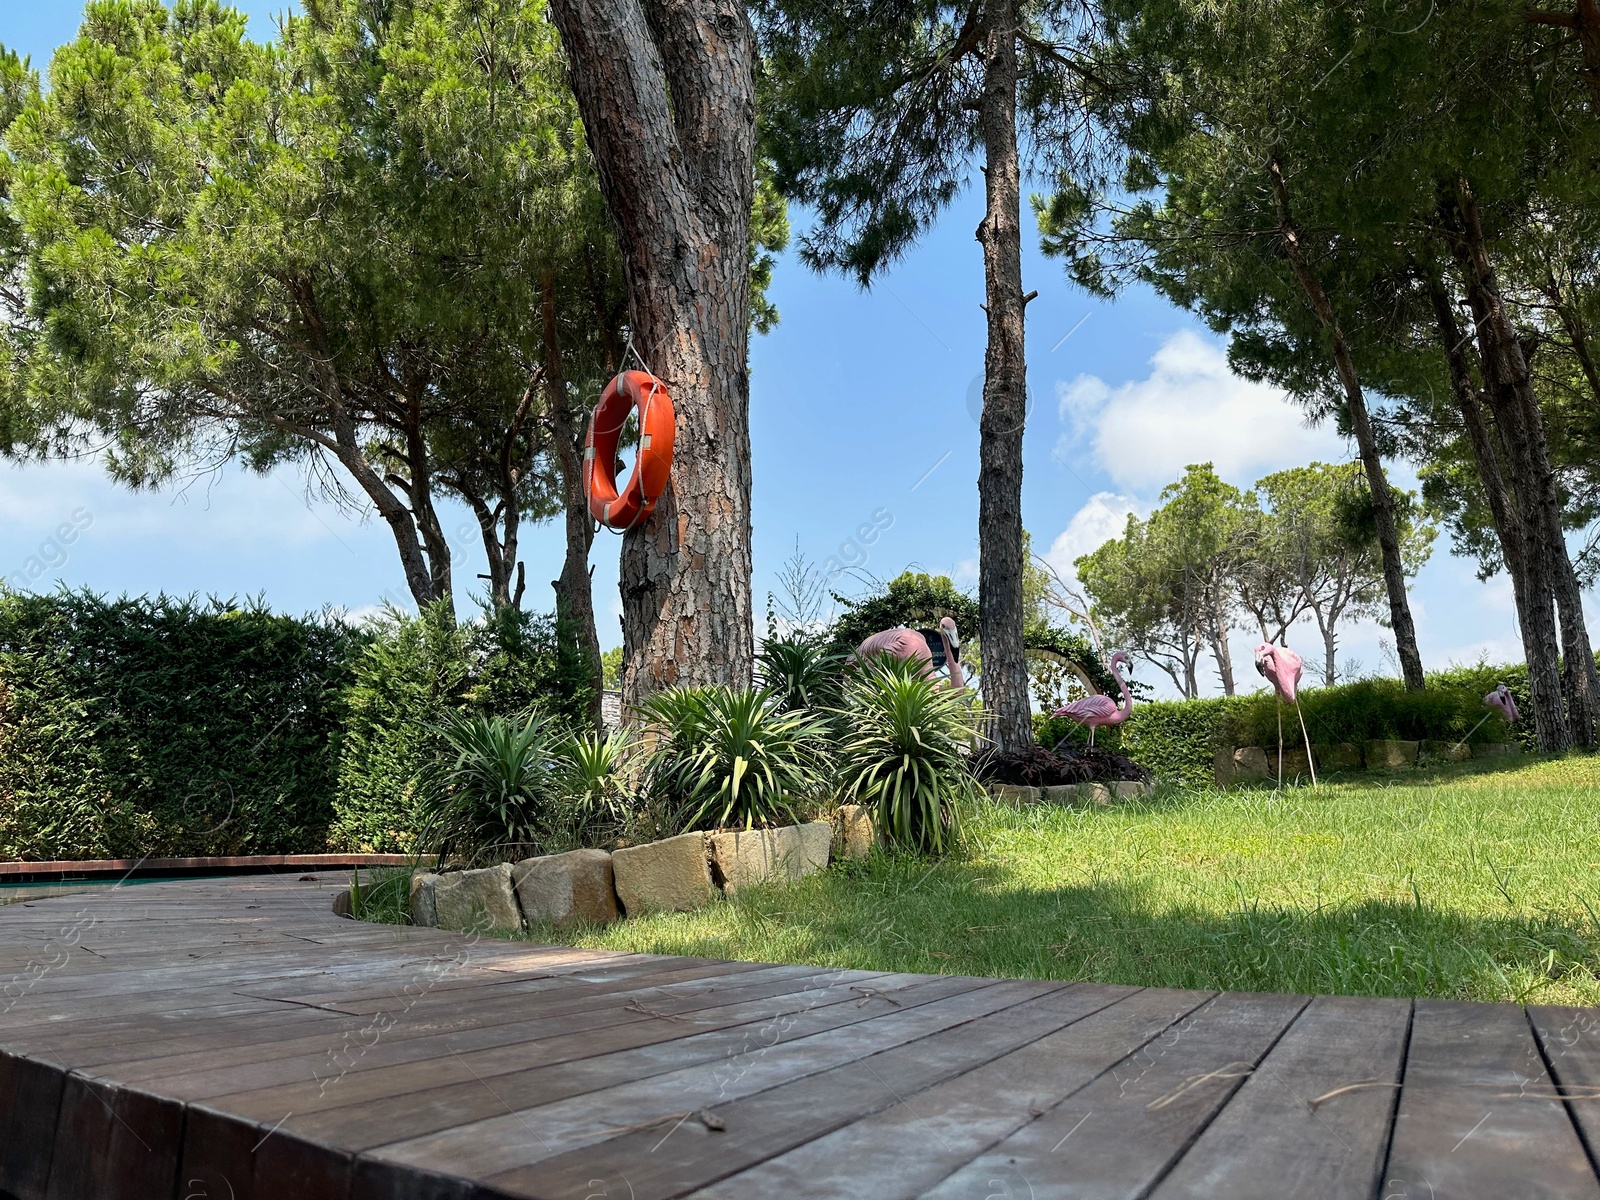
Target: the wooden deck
pixel 232 1040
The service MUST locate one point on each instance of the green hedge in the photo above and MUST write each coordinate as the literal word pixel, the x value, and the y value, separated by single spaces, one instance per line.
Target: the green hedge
pixel 165 726
pixel 1372 709
pixel 1172 739
pixel 1175 739
pixel 413 672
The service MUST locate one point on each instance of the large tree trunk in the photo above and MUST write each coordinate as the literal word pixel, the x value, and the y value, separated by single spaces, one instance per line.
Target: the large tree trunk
pixel 1535 618
pixel 1394 573
pixel 574 593
pixel 666 89
pixel 1517 412
pixel 1217 635
pixel 1005 394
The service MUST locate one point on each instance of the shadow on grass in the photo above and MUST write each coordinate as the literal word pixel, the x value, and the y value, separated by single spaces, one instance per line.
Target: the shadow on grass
pixel 1433 774
pixel 963 918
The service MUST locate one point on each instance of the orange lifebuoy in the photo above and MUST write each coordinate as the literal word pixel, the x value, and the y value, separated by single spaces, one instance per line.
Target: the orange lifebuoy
pixel 628 391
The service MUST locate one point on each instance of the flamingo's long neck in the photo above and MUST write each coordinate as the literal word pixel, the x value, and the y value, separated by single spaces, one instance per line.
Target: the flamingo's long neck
pixel 958 678
pixel 1127 696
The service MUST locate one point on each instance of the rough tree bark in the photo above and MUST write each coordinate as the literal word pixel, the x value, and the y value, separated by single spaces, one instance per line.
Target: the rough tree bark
pixel 1521 420
pixel 1535 619
pixel 574 591
pixel 666 89
pixel 1005 393
pixel 1394 574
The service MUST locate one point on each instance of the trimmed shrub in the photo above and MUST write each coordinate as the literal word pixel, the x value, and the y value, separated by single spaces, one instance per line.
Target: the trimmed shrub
pixel 413 675
pixel 1371 709
pixel 1176 739
pixel 166 726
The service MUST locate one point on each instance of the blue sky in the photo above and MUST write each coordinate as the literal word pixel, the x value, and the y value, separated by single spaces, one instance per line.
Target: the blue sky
pixel 862 409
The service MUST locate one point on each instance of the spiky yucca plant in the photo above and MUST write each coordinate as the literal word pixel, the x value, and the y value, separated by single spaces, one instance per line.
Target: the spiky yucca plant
pixel 500 794
pixel 730 757
pixel 594 785
pixel 801 671
pixel 903 754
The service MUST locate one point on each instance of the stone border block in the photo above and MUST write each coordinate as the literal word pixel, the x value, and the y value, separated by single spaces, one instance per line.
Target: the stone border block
pixel 853 835
pixel 477 901
pixel 672 875
pixel 563 889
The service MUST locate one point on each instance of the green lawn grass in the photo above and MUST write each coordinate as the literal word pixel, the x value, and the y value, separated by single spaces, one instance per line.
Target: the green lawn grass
pixel 1477 882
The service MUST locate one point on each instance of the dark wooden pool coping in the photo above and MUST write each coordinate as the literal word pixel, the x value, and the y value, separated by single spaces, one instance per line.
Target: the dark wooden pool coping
pixel 232 1039
pixel 143 868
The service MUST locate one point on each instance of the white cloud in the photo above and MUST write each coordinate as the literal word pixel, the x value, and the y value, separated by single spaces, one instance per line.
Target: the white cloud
pixel 1102 518
pixel 1491 650
pixel 1189 409
pixel 232 504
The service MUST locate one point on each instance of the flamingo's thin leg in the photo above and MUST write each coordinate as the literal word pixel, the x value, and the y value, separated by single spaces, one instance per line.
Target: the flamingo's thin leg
pixel 1280 745
pixel 1311 761
pixel 1474 729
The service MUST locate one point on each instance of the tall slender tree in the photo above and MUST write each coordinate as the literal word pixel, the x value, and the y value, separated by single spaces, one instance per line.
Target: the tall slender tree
pixel 1419 163
pixel 1212 115
pixel 875 113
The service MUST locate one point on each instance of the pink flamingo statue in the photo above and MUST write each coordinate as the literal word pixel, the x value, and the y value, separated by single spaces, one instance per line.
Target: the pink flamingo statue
pixel 1283 668
pixel 1503 702
pixel 909 644
pixel 1498 701
pixel 1095 711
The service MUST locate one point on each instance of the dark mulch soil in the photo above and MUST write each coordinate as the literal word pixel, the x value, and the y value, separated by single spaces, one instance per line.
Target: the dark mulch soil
pixel 1038 767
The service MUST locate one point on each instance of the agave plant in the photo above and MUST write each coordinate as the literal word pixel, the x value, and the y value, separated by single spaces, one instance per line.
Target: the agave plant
pixel 594 786
pixel 500 793
pixel 903 754
pixel 801 670
pixel 731 756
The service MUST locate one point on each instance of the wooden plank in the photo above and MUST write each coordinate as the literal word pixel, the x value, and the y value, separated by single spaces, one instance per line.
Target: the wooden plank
pixel 598 1108
pixel 123 868
pixel 484 986
pixel 320 1145
pixel 30 1098
pixel 1570 1039
pixel 1117 1136
pixel 275 1025
pixel 565 1064
pixel 1479 1118
pixel 113 1143
pixel 285 1060
pixel 1270 1141
pixel 756 1128
pixel 952 1123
